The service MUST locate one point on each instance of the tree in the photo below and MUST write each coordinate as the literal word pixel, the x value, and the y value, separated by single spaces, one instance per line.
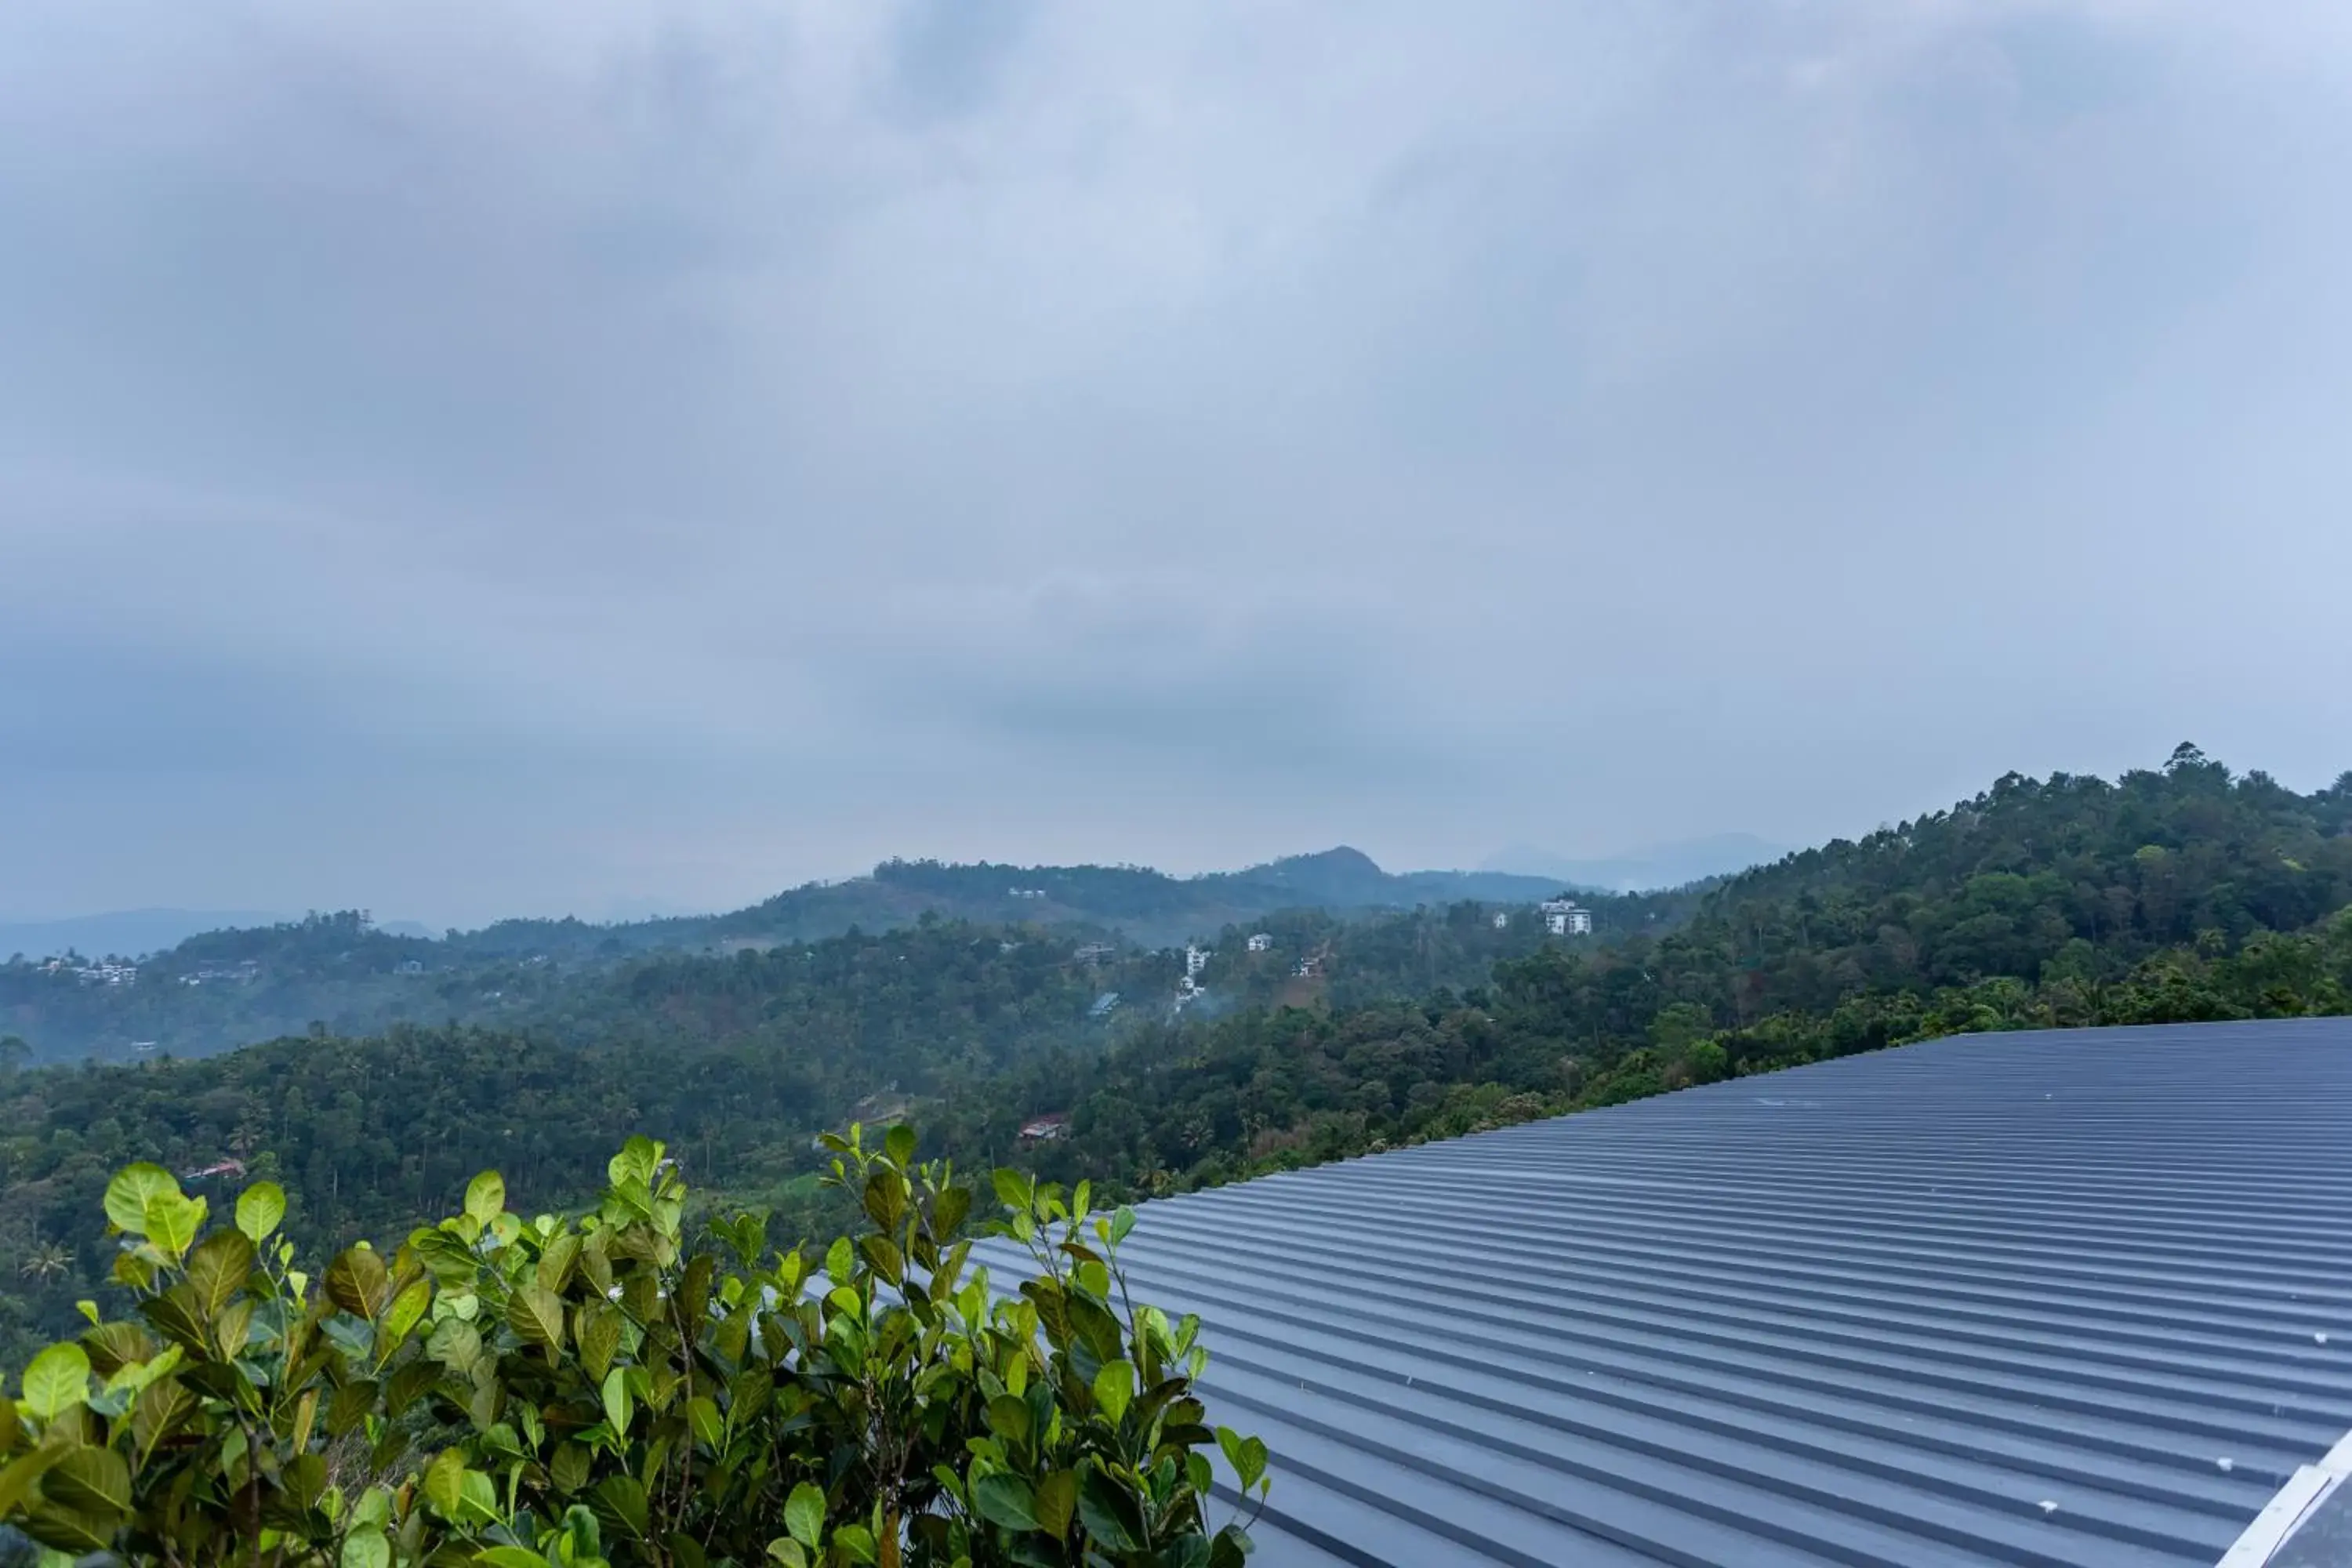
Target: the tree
pixel 46 1261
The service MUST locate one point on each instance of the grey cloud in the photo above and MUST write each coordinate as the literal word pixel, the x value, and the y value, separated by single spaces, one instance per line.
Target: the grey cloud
pixel 675 453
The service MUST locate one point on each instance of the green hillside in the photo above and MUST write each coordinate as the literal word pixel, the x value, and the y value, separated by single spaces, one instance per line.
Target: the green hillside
pixel 338 971
pixel 2174 894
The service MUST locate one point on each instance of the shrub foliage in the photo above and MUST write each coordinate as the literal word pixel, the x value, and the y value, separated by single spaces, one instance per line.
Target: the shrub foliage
pixel 623 1387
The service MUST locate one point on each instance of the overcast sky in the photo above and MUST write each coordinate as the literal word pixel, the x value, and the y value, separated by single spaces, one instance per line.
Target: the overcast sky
pixel 475 457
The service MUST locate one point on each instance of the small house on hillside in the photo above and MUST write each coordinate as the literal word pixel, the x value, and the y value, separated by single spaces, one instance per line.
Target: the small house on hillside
pixel 1045 1128
pixel 1261 941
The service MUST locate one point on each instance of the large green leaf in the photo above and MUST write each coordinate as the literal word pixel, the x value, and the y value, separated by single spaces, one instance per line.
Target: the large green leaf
pixel 1004 1499
pixel 702 1415
pixel 367 1548
pixel 353 1402
pixel 444 1483
pixel 536 1313
pixel 555 1264
pixel 1115 1389
pixel 456 1344
pixel 127 1195
pixel 520 1557
pixel 57 1380
pixel 618 1411
pixel 485 1196
pixel 218 1267
pixel 804 1515
pixel 173 1221
pixel 1248 1455
pixel 234 1326
pixel 635 1162
pixel 70 1530
pixel 625 1500
pixel 600 1338
pixel 93 1481
pixel 19 1477
pixel 1057 1499
pixel 178 1316
pixel 259 1209
pixel 477 1498
pixel 1185 1552
pixel 407 1309
pixel 357 1281
pixel 570 1467
pixel 113 1346
pixel 884 1256
pixel 949 1209
pixel 162 1409
pixel 1109 1511
pixel 1008 1417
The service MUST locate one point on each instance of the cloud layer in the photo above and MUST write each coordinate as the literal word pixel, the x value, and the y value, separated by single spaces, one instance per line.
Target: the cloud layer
pixel 474 457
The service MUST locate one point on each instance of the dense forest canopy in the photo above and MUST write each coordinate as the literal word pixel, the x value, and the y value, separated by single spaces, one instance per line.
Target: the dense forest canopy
pixel 223 989
pixel 2168 895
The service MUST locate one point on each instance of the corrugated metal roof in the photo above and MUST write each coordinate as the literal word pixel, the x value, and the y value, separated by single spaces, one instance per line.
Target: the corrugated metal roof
pixel 2074 1299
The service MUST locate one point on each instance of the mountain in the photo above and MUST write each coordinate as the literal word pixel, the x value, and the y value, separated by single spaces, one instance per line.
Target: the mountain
pixel 1149 907
pixel 2169 895
pixel 125 933
pixel 1674 865
pixel 344 973
pixel 135 933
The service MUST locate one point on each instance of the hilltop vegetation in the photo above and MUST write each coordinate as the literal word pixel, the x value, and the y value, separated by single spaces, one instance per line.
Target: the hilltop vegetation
pixel 339 973
pixel 2176 894
pixel 2171 896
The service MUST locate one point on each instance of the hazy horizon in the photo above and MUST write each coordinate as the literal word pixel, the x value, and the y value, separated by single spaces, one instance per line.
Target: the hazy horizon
pixel 1527 861
pixel 469 460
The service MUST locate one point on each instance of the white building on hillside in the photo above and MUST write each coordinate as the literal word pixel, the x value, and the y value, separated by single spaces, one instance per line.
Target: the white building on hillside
pixel 1562 917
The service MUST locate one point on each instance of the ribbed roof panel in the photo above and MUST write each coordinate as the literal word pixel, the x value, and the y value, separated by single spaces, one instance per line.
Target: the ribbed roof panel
pixel 2078 1298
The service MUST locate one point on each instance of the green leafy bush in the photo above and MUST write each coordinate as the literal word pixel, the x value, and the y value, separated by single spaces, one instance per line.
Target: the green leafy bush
pixel 620 1388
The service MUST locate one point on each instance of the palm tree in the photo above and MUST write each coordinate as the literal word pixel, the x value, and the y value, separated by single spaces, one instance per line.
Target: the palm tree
pixel 48 1260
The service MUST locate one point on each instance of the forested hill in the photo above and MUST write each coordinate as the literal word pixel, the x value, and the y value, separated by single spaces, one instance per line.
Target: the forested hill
pixel 1149 907
pixel 2068 882
pixel 2172 894
pixel 228 988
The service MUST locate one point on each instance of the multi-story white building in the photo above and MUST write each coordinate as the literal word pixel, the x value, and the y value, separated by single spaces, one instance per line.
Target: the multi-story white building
pixel 1562 917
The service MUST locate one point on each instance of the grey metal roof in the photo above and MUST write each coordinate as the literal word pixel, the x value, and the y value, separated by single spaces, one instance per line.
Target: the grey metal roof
pixel 2076 1298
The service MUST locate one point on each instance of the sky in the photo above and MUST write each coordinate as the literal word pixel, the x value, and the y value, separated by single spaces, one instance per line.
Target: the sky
pixel 485 457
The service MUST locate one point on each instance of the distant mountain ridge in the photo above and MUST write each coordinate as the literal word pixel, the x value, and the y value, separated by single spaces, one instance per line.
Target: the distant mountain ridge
pixel 1661 865
pixel 206 983
pixel 126 933
pixel 134 933
pixel 1151 907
